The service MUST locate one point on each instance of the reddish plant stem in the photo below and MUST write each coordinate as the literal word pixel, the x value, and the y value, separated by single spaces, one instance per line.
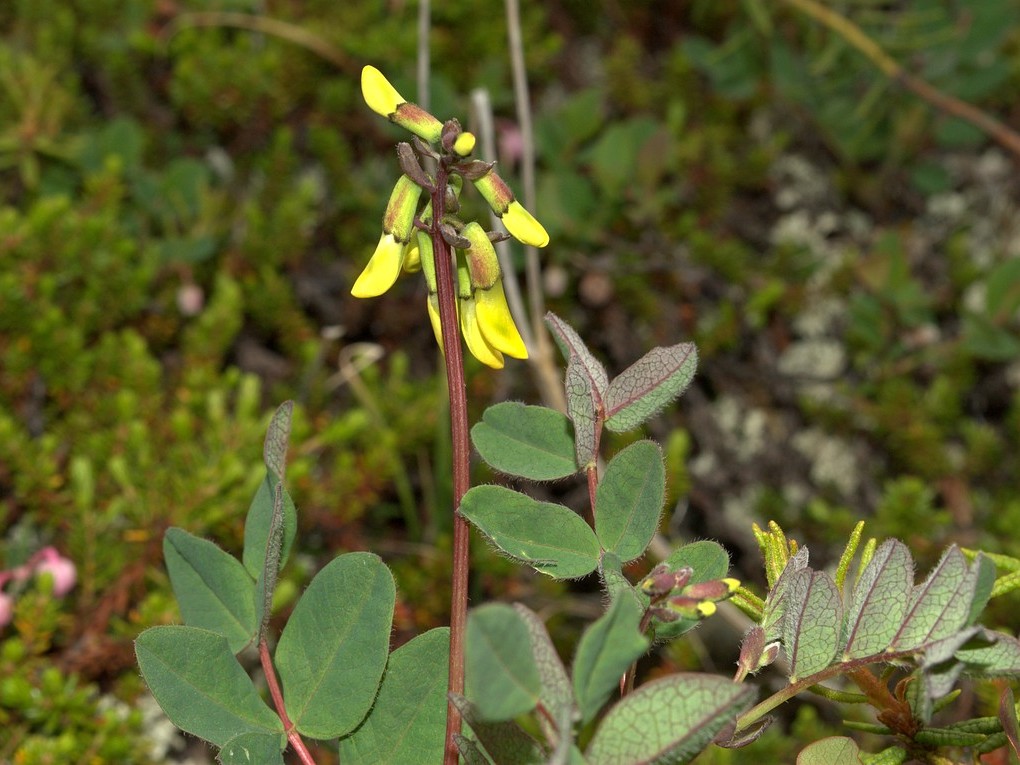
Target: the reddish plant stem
pixel 447 291
pixel 277 695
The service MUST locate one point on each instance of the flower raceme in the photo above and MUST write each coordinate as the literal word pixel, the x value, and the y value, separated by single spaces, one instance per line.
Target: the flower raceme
pixel 406 242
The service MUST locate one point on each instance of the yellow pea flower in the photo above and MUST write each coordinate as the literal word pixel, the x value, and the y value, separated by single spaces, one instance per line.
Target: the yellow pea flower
pixel 383 99
pixel 398 225
pixel 519 222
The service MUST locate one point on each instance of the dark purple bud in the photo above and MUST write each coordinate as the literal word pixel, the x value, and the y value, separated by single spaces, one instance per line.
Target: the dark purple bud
pixel 452 237
pixel 412 167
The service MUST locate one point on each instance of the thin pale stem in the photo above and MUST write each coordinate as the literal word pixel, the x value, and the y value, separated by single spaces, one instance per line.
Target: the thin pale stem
pixel 293 737
pixel 446 286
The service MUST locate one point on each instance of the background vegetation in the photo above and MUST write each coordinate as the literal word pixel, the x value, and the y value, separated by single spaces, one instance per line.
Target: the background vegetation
pixel 184 206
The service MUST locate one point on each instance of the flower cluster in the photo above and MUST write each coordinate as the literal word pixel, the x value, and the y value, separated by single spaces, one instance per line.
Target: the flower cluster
pixel 674 597
pixel 407 240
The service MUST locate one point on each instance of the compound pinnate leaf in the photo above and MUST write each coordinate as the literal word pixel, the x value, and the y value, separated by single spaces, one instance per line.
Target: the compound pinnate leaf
pixel 503 742
pixel 668 721
pixel 557 694
pixel 999 657
pixel 501 676
pixel 834 750
pixel 939 605
pixel 253 749
pixel 879 601
pixel 213 589
pixel 628 500
pixel 199 684
pixel 811 622
pixel 333 651
pixel 407 721
pixel 649 384
pixel 532 442
pixel 607 648
pixel 553 539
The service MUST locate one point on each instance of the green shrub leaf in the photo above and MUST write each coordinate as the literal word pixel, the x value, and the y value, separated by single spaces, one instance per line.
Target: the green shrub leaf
pixel 332 653
pixel 879 600
pixel 408 719
pixel 553 539
pixel 939 606
pixel 532 442
pixel 199 684
pixel 557 694
pixel 253 749
pixel 668 721
pixel 607 648
pixel 503 742
pixel 213 589
pixel 649 384
pixel 629 500
pixel 811 622
pixel 501 677
pixel 834 750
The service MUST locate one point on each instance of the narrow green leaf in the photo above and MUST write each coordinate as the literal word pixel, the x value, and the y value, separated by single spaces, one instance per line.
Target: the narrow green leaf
pixel 266 583
pixel 983 571
pixel 503 742
pixel 501 677
pixel 628 500
pixel 607 648
pixel 586 386
pixel 553 539
pixel 213 589
pixel 332 653
pixel 573 347
pixel 939 606
pixel 649 384
pixel 408 719
pixel 532 442
pixel 581 407
pixel 557 694
pixel 668 721
pixel 879 601
pixel 848 554
pixel 274 450
pixel 259 523
pixel 834 750
pixel 199 684
pixel 253 749
pixel 708 560
pixel 811 624
pixel 775 603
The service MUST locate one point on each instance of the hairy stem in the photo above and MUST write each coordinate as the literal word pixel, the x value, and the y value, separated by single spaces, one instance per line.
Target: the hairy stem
pixel 446 286
pixel 293 736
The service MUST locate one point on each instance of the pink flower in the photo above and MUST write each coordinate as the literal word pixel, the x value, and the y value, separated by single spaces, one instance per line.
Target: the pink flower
pixel 60 568
pixel 6 609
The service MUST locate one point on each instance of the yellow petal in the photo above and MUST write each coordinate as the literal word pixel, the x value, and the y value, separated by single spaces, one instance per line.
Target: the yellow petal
pixel 382 270
pixel 523 226
pixel 464 144
pixel 474 339
pixel 497 324
pixel 412 257
pixel 381 97
pixel 437 327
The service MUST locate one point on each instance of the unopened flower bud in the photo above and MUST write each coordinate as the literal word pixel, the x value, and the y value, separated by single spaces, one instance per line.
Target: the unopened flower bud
pixel 716 589
pixel 518 221
pixel 383 99
pixel 464 144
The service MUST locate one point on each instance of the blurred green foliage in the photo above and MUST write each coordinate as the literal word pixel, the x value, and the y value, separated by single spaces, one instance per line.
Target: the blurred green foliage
pixel 183 207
